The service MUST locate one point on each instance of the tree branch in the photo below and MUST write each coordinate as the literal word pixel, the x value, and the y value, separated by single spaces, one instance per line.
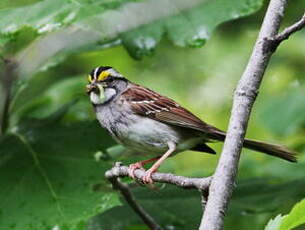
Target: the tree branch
pixel 122 171
pixel 9 76
pixel 185 182
pixel 273 42
pixel 290 30
pixel 223 180
pixel 125 191
pixel 216 191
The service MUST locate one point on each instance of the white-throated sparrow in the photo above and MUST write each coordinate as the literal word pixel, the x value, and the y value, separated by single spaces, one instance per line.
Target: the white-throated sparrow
pixel 146 122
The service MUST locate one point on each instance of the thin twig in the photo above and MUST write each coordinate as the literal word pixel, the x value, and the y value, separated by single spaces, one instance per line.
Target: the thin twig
pixel 125 191
pixel 118 171
pixel 223 180
pixel 290 30
pixel 221 186
pixel 8 78
pixel 185 182
pixel 272 42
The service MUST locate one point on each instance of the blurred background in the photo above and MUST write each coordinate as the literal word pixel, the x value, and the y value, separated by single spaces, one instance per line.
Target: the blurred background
pixel 203 81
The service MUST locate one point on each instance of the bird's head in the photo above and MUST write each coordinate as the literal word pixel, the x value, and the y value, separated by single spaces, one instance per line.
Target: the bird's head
pixel 105 83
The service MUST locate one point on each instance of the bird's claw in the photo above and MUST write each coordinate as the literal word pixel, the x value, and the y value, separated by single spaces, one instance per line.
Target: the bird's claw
pixel 147 177
pixel 132 169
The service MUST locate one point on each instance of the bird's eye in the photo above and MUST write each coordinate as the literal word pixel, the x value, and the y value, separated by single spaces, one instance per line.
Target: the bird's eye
pixel 110 79
pixel 90 78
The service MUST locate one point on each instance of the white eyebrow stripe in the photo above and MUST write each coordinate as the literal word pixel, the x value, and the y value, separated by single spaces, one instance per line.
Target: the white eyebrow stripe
pixel 95 72
pixel 114 73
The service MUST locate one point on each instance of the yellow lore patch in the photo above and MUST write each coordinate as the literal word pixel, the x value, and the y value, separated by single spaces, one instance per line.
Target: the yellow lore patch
pixel 90 78
pixel 103 75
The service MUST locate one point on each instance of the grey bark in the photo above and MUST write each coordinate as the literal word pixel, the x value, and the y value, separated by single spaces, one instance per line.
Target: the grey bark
pixel 119 170
pixel 216 191
pixel 201 184
pixel 245 94
pixel 130 199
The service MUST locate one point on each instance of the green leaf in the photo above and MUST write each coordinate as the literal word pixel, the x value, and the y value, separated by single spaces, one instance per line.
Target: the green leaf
pixel 274 224
pixel 50 175
pixel 171 206
pixel 185 23
pixel 43 95
pixel 44 17
pixel 49 15
pixel 295 218
pixel 12 3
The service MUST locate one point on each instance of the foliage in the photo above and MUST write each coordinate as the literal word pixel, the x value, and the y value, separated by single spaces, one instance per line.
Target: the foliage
pixel 50 162
pixel 294 219
pixel 275 223
pixel 50 174
pixel 247 200
pixel 93 24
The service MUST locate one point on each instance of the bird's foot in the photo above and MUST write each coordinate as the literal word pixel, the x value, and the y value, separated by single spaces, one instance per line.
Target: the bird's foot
pixel 133 167
pixel 147 177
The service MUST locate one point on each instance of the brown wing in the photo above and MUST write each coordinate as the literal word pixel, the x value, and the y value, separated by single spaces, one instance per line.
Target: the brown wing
pixel 148 103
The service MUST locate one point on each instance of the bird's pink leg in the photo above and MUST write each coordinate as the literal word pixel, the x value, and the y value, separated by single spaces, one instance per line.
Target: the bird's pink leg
pixel 147 177
pixel 139 165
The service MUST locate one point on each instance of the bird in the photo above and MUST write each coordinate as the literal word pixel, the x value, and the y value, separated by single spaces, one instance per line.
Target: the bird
pixel 146 122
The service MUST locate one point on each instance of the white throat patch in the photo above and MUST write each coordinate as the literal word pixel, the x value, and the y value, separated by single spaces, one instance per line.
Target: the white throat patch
pixel 104 97
pixel 95 98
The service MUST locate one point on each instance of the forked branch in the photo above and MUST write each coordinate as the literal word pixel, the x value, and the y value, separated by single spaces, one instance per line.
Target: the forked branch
pixel 217 191
pixel 285 34
pixel 130 199
pixel 222 184
pixel 119 170
pixel 184 182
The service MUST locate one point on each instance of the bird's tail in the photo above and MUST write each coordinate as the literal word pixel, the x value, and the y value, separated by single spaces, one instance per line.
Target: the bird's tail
pixel 260 146
pixel 271 149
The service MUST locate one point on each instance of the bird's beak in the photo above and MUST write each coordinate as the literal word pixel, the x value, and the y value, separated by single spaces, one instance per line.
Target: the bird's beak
pixel 91 87
pixel 95 87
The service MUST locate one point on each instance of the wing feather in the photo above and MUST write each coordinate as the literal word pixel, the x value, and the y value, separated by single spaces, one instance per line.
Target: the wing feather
pixel 148 103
